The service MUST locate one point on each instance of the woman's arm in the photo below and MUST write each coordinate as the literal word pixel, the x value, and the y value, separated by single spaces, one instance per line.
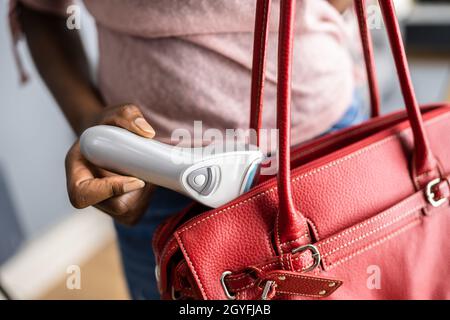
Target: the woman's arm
pixel 61 61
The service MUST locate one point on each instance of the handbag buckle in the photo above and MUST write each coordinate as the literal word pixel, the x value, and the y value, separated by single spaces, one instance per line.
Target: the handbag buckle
pixel 224 286
pixel 267 287
pixel 315 254
pixel 431 196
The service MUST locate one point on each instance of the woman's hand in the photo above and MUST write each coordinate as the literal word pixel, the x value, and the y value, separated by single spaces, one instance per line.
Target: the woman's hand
pixel 59 56
pixel 122 197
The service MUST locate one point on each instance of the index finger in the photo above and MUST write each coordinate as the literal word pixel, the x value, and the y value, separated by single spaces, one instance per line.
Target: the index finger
pixel 85 189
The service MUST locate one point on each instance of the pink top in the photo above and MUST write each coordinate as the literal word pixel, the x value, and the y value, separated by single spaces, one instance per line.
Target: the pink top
pixel 184 61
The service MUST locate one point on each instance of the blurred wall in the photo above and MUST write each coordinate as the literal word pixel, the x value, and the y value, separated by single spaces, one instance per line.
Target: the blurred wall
pixel 34 137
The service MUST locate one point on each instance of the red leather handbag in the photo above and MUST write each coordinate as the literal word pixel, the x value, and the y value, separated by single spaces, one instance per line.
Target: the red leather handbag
pixel 360 214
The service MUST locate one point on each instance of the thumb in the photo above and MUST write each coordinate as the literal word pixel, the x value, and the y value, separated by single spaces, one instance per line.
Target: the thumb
pixel 131 118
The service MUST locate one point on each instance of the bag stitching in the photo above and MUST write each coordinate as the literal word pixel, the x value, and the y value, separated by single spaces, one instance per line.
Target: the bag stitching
pixel 283 266
pixel 368 222
pixel 246 287
pixel 238 278
pixel 194 272
pixel 269 265
pixel 378 229
pixel 375 244
pixel 159 231
pixel 277 228
pixel 295 240
pixel 297 294
pixel 310 278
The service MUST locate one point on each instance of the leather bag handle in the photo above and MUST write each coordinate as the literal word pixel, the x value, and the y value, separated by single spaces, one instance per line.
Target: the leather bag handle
pixel 261 35
pixel 424 162
pixel 291 227
pixel 259 61
pixel 367 45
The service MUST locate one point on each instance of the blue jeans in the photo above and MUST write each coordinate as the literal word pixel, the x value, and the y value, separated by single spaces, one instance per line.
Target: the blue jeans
pixel 353 116
pixel 135 242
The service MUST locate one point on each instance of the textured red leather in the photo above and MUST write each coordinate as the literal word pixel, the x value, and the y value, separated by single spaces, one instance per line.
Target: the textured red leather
pixel 289 223
pixel 360 198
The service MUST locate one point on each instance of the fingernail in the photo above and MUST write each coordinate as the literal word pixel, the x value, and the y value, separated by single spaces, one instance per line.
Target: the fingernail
pixel 133 185
pixel 144 126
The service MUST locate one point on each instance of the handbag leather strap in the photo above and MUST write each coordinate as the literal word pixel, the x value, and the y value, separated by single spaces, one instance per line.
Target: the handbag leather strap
pixel 259 65
pixel 259 62
pixel 366 39
pixel 424 163
pixel 257 100
pixel 291 226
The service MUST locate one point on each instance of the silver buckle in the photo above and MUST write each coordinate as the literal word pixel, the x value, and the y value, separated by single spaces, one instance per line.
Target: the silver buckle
pixel 266 290
pixel 224 285
pixel 315 254
pixel 431 195
pixel 174 294
pixel 158 277
pixel 157 273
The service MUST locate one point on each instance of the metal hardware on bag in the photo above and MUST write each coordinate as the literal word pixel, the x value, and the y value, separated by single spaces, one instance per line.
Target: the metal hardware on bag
pixel 158 278
pixel 315 254
pixel 174 296
pixel 266 290
pixel 431 195
pixel 157 273
pixel 224 285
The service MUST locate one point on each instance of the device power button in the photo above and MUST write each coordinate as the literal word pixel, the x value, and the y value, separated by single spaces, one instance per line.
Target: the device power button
pixel 202 180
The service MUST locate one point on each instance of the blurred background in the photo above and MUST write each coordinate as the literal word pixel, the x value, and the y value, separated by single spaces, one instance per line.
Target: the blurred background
pixel 41 235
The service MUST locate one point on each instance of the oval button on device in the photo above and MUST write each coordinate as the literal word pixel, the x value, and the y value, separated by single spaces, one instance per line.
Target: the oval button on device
pixel 200 180
pixel 203 180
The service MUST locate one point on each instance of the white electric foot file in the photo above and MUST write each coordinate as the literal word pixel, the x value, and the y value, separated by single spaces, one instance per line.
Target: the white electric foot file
pixel 213 179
